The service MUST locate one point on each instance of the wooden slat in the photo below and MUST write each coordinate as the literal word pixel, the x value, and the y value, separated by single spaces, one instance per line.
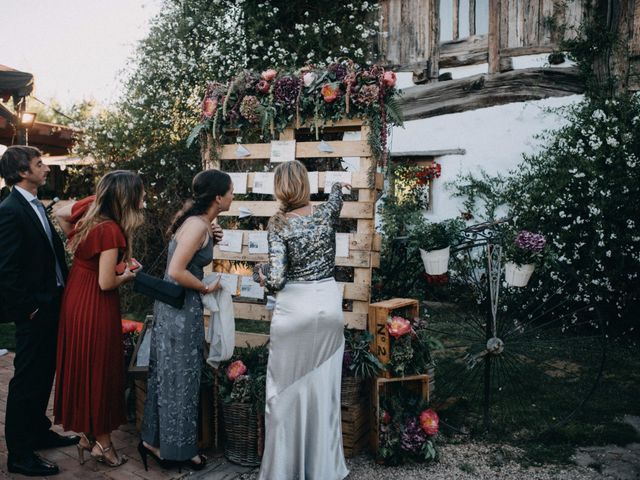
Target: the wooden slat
pixel 253 339
pixel 258 311
pixel 359 180
pixel 268 209
pixel 355 259
pixel 456 18
pixel 472 17
pixel 357 241
pixel 494 36
pixel 261 151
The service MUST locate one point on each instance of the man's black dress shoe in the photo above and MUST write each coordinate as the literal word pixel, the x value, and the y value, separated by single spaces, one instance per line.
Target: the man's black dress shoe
pixel 54 440
pixel 31 465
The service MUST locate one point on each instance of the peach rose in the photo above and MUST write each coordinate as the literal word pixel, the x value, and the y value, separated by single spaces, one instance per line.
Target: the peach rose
pixel 330 92
pixel 389 79
pixel 429 422
pixel 209 107
pixel 398 327
pixel 269 75
pixel 236 369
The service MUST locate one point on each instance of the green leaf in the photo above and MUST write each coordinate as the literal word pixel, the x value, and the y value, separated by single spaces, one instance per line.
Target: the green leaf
pixel 194 134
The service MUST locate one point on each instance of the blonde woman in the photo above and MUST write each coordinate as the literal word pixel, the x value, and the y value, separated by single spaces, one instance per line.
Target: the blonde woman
pixel 302 415
pixel 90 372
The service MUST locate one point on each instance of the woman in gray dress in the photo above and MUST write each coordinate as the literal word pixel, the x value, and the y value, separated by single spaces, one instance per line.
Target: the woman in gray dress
pixel 302 414
pixel 169 427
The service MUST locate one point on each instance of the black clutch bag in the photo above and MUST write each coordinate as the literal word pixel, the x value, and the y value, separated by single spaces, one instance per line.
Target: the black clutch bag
pixel 159 289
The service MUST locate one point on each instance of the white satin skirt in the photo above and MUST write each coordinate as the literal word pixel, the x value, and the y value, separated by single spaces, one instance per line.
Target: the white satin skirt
pixel 303 437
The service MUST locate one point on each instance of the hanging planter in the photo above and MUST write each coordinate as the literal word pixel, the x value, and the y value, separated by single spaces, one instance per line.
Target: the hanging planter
pixel 436 262
pixel 518 275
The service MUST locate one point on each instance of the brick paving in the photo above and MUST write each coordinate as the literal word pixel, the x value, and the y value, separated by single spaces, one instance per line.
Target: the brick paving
pixel 125 439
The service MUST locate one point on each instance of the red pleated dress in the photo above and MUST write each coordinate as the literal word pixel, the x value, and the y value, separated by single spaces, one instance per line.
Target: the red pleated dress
pixel 89 394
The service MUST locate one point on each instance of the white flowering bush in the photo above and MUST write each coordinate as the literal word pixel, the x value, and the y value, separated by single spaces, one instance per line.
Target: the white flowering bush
pixel 582 193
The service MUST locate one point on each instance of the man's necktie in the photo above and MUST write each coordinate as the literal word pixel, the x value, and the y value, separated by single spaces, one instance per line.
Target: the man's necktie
pixel 47 229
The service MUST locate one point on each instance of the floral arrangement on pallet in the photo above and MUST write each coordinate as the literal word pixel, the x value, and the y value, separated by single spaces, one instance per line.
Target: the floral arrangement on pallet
pixel 411 345
pixel 259 105
pixel 243 377
pixel 408 429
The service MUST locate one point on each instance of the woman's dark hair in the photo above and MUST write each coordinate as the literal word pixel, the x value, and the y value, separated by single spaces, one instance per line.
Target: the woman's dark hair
pixel 206 186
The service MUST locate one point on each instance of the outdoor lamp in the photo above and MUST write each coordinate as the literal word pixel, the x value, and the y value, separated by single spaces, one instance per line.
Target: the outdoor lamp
pixel 27 119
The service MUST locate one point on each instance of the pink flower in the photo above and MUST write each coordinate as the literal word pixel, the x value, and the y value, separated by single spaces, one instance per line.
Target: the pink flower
pixel 236 369
pixel 269 75
pixel 330 92
pixel 263 86
pixel 209 107
pixel 429 422
pixel 398 326
pixel 129 326
pixel 386 417
pixel 389 79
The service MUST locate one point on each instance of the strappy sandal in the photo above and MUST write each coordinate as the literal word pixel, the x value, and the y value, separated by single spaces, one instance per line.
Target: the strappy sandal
pixel 102 458
pixel 87 447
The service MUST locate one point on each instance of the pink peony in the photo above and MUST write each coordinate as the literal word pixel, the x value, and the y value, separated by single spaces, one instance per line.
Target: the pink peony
pixel 330 92
pixel 398 326
pixel 269 75
pixel 209 107
pixel 263 86
pixel 429 422
pixel 236 369
pixel 129 326
pixel 389 79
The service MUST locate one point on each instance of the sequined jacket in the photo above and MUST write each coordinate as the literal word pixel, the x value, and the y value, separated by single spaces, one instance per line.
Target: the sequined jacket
pixel 305 247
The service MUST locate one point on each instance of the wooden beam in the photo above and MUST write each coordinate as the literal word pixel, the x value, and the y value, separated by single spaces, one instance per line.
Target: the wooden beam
pixel 480 91
pixel 456 19
pixel 268 209
pixel 494 36
pixel 430 153
pixel 466 51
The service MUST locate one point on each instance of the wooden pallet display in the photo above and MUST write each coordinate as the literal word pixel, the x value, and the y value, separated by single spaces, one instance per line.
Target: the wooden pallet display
pixel 364 244
pixel 378 314
pixel 355 427
pixel 418 383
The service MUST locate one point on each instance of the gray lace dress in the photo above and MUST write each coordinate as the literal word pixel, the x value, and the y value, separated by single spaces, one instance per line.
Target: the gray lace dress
pixel 173 386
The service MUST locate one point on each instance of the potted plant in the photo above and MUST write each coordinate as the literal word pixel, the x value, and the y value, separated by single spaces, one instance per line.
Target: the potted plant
pixel 435 242
pixel 242 390
pixel 522 252
pixel 358 364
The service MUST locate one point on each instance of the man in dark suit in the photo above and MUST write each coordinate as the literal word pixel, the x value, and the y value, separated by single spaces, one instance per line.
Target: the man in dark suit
pixel 32 276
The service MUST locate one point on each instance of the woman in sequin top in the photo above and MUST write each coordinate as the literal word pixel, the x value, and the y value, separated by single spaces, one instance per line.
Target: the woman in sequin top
pixel 302 414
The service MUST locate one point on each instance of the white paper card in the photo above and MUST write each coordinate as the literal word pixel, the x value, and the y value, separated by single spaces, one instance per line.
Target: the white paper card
pixel 342 244
pixel 334 177
pixel 258 243
pixel 251 289
pixel 313 182
pixel 231 241
pixel 263 183
pixel 239 180
pixel 244 212
pixel 283 151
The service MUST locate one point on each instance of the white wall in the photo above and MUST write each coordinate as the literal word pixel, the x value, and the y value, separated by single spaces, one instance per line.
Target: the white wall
pixel 494 138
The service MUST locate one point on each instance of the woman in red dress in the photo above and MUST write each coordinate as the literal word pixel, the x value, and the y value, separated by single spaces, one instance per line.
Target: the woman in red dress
pixel 90 381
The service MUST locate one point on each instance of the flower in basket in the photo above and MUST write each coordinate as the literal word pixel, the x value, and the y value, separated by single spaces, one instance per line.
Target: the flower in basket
pixel 429 421
pixel 357 360
pixel 398 326
pixel 236 369
pixel 263 86
pixel 389 79
pixel 413 436
pixel 527 247
pixel 269 74
pixel 330 92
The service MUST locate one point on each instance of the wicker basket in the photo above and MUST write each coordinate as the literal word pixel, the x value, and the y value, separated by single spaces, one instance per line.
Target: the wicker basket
pixel 244 432
pixel 351 390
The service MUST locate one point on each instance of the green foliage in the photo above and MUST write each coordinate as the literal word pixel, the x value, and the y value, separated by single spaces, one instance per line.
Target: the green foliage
pixel 437 235
pixel 411 353
pixel 358 360
pixel 482 195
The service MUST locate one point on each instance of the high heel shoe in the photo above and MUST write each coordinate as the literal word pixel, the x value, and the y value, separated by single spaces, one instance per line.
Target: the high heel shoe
pixel 102 458
pixel 144 451
pixel 194 465
pixel 82 448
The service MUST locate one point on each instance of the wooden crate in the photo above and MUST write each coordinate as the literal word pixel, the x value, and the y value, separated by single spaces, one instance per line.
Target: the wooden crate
pixel 378 314
pixel 206 413
pixel 355 427
pixel 418 383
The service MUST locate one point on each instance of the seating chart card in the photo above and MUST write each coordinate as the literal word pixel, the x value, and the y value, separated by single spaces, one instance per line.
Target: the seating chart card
pixel 231 241
pixel 239 180
pixel 342 244
pixel 313 182
pixel 263 183
pixel 228 281
pixel 283 151
pixel 258 243
pixel 334 177
pixel 251 289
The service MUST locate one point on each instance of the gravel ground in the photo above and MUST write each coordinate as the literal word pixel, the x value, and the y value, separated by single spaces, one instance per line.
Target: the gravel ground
pixel 469 461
